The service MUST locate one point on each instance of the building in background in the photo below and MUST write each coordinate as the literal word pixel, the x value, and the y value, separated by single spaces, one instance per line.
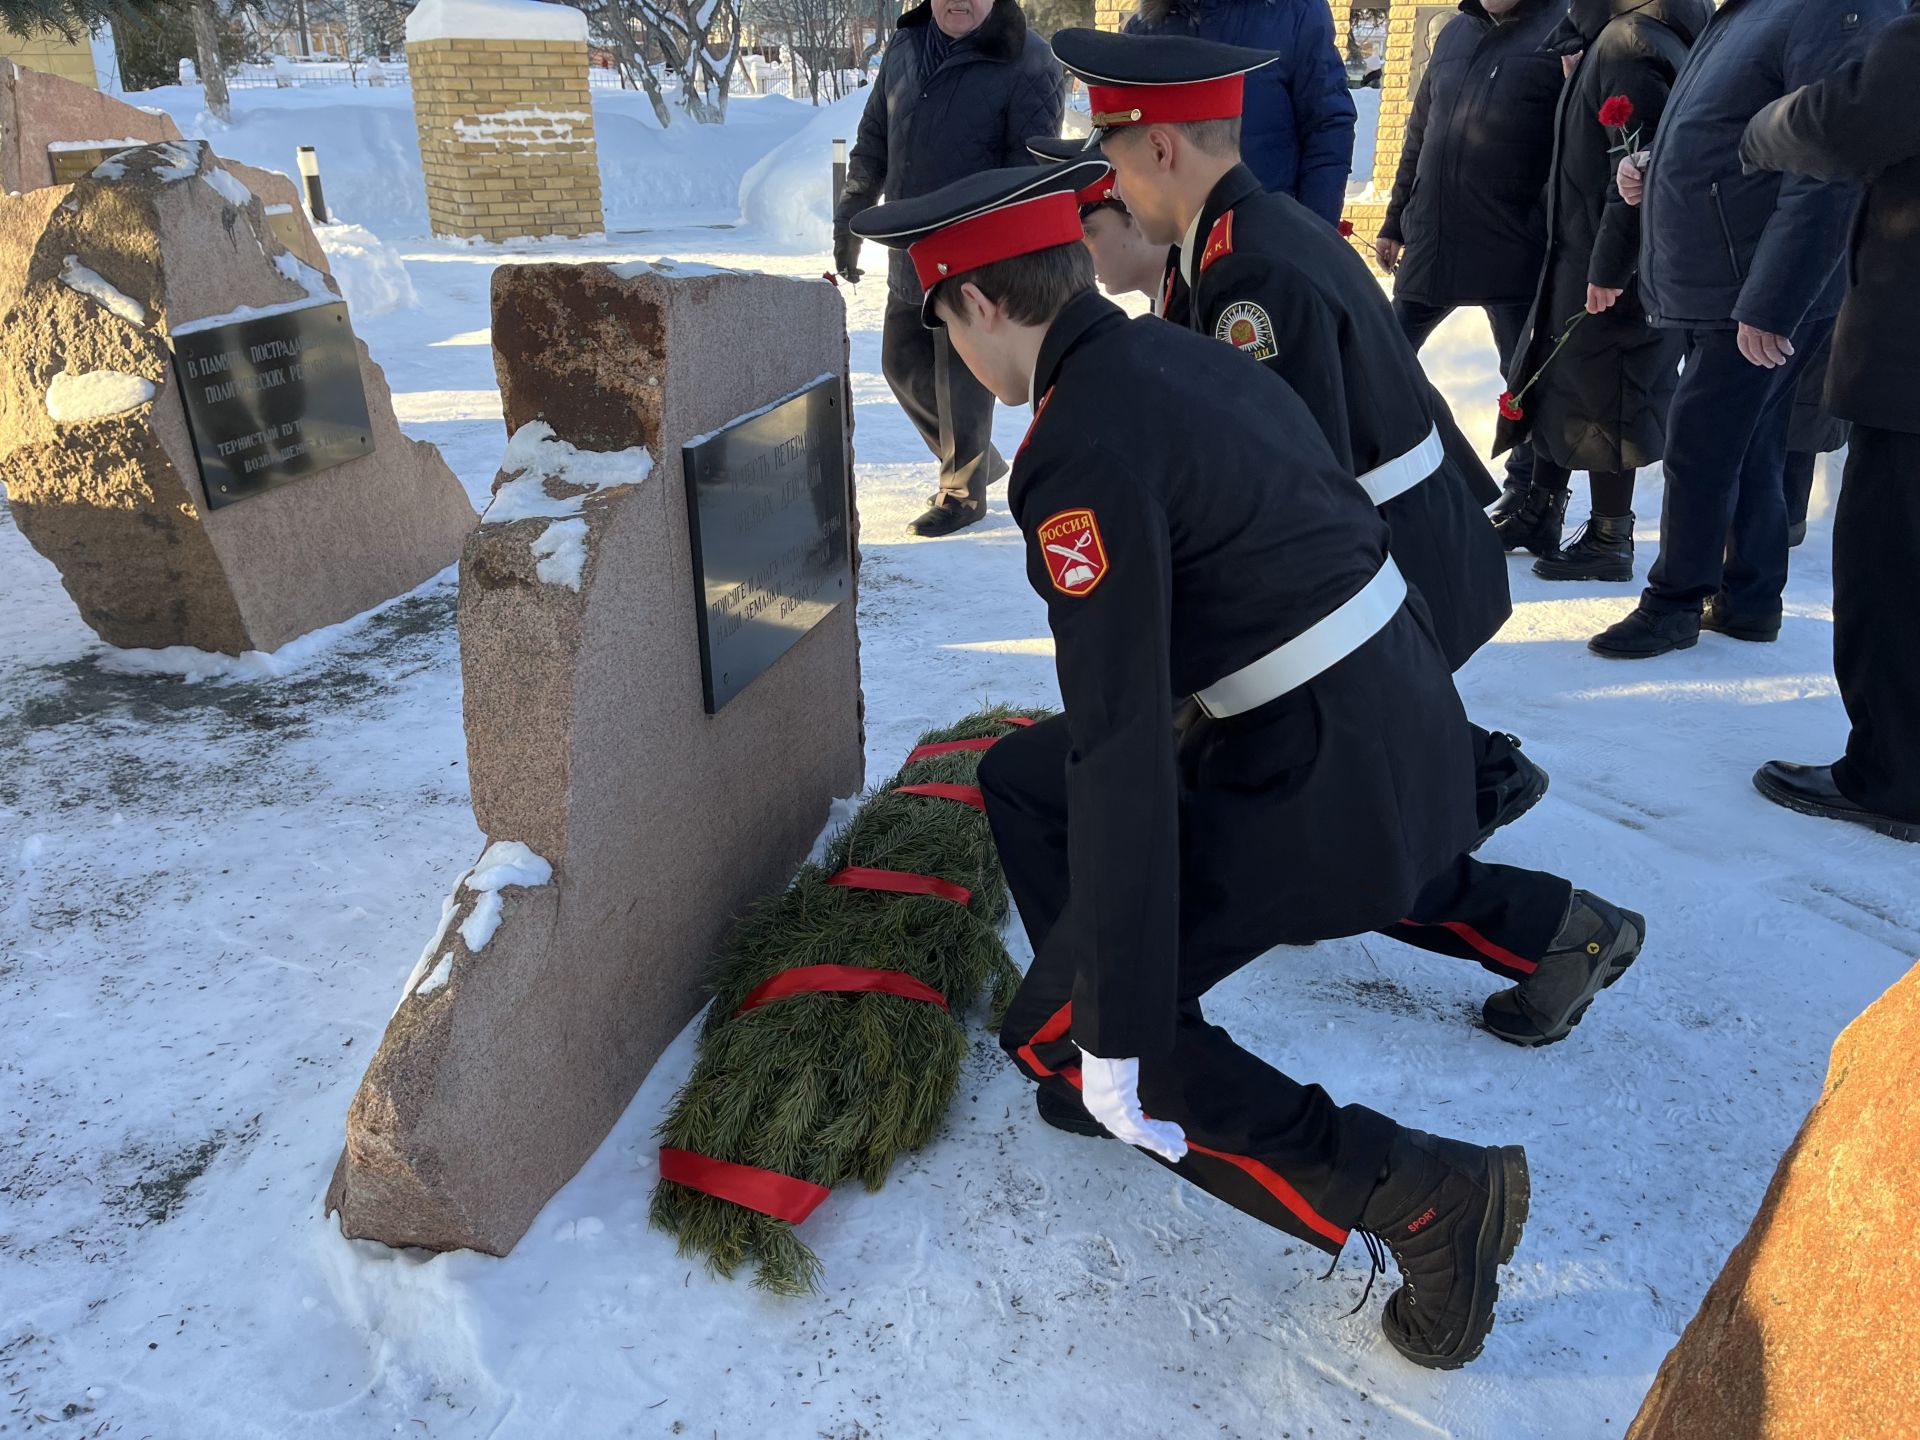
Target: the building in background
pixel 87 61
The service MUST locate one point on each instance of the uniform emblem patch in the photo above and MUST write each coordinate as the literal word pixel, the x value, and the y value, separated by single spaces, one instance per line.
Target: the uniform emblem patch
pixel 1245 326
pixel 1076 555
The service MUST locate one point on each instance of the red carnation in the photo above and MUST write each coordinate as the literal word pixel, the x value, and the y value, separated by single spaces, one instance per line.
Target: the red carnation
pixel 1510 407
pixel 1346 227
pixel 1617 111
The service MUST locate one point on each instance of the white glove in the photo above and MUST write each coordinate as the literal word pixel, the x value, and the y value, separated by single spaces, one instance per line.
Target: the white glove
pixel 1110 1089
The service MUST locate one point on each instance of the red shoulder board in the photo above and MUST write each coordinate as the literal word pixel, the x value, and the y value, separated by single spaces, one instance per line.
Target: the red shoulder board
pixel 1075 553
pixel 1219 240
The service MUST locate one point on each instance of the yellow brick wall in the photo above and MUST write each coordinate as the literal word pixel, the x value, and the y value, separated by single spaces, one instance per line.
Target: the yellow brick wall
pixel 70 60
pixel 493 168
pixel 1396 103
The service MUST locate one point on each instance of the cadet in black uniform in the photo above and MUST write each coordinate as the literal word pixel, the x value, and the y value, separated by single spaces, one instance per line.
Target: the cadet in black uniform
pixel 1193 535
pixel 1272 280
pixel 1169 297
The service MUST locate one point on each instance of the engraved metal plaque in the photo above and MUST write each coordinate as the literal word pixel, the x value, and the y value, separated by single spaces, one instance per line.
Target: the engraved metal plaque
pixel 272 399
pixel 70 165
pixel 287 228
pixel 767 502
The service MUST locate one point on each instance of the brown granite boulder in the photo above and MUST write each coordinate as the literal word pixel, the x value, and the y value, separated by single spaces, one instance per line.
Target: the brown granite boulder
pixel 1812 1331
pixel 38 110
pixel 628 826
pixel 95 451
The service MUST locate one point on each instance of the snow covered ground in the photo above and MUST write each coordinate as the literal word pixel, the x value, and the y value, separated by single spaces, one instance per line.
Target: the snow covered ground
pixel 214 889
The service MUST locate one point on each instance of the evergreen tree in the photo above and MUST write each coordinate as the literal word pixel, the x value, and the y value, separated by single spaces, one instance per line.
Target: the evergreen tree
pixel 73 18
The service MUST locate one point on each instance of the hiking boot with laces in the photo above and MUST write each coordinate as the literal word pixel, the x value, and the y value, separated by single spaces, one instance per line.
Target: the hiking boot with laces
pixel 1595 946
pixel 1602 549
pixel 1450 1214
pixel 1534 523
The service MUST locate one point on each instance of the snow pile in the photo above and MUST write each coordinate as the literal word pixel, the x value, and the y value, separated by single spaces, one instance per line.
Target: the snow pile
pixel 539 457
pixel 494 20
pixel 788 196
pixel 371 275
pixel 72 399
pixel 76 276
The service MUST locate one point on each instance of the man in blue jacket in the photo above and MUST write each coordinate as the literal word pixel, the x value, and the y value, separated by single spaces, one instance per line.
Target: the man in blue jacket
pixel 1748 268
pixel 962 85
pixel 1297 132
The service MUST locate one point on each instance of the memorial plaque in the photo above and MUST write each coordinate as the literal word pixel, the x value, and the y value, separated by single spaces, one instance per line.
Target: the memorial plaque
pixel 69 164
pixel 272 399
pixel 767 498
pixel 287 227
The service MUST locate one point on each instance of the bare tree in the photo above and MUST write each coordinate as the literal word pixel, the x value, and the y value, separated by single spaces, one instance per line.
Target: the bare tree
pixel 815 34
pixel 697 42
pixel 207 23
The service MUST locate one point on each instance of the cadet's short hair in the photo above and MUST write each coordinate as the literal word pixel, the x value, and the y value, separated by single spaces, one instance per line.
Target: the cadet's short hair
pixel 1213 137
pixel 1034 288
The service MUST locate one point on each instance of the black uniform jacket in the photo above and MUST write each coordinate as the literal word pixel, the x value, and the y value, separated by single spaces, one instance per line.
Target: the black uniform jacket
pixel 1183 518
pixel 1172 301
pixel 1271 278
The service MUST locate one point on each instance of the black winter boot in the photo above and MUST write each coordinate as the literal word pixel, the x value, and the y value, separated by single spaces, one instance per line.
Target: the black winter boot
pixel 1534 523
pixel 1451 1214
pixel 1512 496
pixel 1068 1115
pixel 1595 946
pixel 1760 629
pixel 1602 549
pixel 1512 785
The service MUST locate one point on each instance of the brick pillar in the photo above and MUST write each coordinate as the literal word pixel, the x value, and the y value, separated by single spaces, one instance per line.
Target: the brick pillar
pixel 505 120
pixel 1111 14
pixel 1396 103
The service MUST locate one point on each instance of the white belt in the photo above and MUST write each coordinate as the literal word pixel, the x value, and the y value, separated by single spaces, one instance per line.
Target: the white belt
pixel 1400 475
pixel 1319 647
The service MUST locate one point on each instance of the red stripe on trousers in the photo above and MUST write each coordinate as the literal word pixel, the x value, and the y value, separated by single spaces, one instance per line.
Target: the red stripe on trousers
pixel 1265 1176
pixel 1499 954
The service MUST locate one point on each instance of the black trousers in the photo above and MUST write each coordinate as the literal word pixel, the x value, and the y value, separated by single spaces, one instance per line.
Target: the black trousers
pixel 1876 621
pixel 1419 320
pixel 952 411
pixel 1723 523
pixel 1278 1149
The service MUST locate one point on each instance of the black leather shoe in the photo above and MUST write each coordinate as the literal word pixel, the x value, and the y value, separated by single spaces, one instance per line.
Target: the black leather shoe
pixel 1810 790
pixel 1502 511
pixel 1796 535
pixel 1715 616
pixel 948 514
pixel 1647 633
pixel 1513 789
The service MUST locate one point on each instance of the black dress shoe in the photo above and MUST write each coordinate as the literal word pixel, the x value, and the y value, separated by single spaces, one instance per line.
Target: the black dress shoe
pixel 947 514
pixel 1810 790
pixel 1715 616
pixel 1068 1115
pixel 1647 633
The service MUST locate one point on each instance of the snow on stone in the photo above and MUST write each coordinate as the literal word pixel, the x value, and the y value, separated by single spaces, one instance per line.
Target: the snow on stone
pixel 539 457
pixel 72 399
pixel 65 145
pixel 437 977
pixel 506 862
pixel 449 907
pixel 230 188
pixel 182 160
pixel 76 276
pixel 494 20
pixel 524 129
pixel 561 549
pixel 303 274
pixel 296 270
pixel 673 269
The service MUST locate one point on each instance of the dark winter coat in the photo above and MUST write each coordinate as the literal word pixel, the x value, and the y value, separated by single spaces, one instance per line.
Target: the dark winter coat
pixel 1862 124
pixel 974 111
pixel 1470 199
pixel 1718 246
pixel 1602 403
pixel 1292 294
pixel 1296 133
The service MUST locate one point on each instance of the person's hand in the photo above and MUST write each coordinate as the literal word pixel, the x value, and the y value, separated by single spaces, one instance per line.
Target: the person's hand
pixel 1632 178
pixel 1765 349
pixel 846 256
pixel 1599 298
pixel 1110 1089
pixel 1388 253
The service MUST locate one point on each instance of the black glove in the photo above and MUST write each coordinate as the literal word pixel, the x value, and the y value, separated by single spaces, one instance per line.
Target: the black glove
pixel 846 255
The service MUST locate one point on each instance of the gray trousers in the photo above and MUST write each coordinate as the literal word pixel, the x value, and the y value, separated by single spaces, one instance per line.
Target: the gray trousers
pixel 952 411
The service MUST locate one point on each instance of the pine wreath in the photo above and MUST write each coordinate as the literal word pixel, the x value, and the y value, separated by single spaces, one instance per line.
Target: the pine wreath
pixel 823 1087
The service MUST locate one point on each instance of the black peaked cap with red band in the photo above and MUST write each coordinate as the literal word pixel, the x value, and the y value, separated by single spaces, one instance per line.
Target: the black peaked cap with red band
pixel 1057 151
pixel 994 215
pixel 1157 79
